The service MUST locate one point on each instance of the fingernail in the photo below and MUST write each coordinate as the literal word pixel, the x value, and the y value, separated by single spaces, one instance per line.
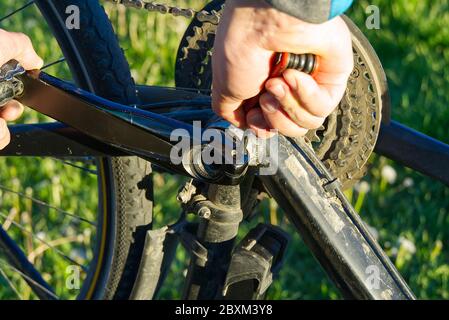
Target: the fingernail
pixel 278 91
pixel 271 104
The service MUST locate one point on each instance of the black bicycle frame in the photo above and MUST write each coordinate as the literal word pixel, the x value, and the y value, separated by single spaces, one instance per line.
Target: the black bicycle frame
pixel 131 129
pixel 345 255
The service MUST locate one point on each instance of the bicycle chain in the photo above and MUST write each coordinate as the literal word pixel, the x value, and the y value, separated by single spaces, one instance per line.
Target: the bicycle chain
pixel 189 13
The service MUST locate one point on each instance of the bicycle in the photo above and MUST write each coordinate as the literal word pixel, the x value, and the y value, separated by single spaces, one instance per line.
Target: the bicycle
pixel 130 260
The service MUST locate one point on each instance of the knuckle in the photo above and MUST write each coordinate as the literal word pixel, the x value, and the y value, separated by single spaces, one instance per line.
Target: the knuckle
pixel 23 38
pixel 218 110
pixel 21 43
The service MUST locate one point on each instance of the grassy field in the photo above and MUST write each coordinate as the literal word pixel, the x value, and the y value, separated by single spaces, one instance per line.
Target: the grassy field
pixel 408 212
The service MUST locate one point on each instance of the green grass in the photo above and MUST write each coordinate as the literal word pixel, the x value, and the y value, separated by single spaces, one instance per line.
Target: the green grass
pixel 412 46
pixel 410 214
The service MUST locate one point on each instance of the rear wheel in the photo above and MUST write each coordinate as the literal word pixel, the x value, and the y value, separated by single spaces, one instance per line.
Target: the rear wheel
pixel 124 206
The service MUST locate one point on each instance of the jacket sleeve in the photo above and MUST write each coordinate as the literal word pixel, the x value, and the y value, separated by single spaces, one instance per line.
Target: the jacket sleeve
pixel 313 11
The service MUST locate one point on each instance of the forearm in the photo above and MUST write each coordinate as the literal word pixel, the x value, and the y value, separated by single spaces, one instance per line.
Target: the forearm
pixel 313 11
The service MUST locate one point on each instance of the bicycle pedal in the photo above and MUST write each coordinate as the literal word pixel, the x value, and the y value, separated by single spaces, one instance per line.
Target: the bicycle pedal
pixel 255 262
pixel 10 86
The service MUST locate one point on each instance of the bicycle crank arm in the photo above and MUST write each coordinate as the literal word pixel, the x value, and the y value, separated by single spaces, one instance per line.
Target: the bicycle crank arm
pixel 127 128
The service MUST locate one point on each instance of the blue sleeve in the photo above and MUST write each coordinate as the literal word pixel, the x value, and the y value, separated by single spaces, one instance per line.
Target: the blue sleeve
pixel 338 7
pixel 313 11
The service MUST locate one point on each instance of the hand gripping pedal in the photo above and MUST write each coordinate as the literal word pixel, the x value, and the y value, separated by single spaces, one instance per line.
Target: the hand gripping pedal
pixel 255 261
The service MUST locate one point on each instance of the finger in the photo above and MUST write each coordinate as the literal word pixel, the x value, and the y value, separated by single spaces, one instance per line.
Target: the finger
pixel 289 102
pixel 318 39
pixel 229 109
pixel 318 99
pixel 277 118
pixel 11 111
pixel 19 47
pixel 5 136
pixel 256 122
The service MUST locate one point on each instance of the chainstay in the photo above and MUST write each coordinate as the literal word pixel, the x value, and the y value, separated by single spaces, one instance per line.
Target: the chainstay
pixel 189 13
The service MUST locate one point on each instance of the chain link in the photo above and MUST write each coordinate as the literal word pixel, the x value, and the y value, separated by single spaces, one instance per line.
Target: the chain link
pixel 189 13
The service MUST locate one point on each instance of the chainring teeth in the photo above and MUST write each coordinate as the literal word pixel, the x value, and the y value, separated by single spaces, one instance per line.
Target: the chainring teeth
pixel 350 132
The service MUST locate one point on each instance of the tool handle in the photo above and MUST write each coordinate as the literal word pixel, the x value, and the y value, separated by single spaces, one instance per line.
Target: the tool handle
pixel 308 63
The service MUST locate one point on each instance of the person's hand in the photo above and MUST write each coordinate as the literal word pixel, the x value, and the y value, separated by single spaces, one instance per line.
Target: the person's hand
pixel 15 46
pixel 248 36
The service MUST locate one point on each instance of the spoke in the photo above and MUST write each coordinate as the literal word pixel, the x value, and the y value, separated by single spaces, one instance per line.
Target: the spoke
pixel 54 243
pixel 62 254
pixel 7 265
pixel 17 258
pixel 192 103
pixel 205 91
pixel 85 169
pixel 11 285
pixel 51 64
pixel 44 204
pixel 16 11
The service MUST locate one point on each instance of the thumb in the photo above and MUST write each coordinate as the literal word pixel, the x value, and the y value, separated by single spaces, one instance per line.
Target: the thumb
pixel 30 60
pixel 18 46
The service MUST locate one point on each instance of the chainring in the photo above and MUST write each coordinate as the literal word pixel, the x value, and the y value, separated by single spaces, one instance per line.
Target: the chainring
pixel 348 137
